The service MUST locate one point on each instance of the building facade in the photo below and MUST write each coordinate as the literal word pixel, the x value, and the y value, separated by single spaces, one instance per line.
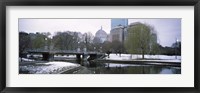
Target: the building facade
pixel 118 29
pixel 116 34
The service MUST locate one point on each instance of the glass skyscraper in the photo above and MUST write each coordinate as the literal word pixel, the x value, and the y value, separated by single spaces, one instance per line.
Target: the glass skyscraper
pixel 119 21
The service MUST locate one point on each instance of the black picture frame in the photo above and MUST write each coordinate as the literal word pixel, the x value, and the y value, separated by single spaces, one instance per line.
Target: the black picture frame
pixel 4 3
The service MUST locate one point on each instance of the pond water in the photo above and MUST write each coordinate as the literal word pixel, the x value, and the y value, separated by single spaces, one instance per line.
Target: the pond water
pixel 134 69
pixel 97 68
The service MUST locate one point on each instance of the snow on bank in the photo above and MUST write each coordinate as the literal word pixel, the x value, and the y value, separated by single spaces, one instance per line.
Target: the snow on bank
pixel 25 59
pixel 48 68
pixel 161 58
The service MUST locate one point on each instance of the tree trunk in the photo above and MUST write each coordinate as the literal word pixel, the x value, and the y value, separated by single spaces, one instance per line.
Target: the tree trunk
pixel 142 54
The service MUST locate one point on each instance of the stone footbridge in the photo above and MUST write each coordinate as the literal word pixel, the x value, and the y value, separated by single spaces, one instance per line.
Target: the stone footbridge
pixel 80 55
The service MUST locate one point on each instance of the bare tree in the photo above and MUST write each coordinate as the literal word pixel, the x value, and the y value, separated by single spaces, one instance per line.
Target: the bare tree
pixel 88 40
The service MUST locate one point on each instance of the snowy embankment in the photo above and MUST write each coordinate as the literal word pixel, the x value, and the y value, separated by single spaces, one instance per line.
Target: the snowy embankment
pixel 160 58
pixel 48 68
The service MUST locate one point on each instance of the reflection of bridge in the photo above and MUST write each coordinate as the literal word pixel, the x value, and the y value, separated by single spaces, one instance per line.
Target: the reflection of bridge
pixel 80 55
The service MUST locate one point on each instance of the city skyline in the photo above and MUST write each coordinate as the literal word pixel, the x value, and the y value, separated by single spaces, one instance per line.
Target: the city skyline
pixel 168 30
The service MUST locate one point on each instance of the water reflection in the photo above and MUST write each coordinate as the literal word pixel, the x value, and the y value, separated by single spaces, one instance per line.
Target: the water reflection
pixel 134 69
pixel 94 68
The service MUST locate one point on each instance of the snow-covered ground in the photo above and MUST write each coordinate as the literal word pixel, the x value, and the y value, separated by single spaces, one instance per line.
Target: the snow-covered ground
pixel 161 58
pixel 48 68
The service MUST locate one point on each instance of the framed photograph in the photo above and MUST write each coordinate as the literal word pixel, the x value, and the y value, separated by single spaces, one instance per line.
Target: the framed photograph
pixel 99 46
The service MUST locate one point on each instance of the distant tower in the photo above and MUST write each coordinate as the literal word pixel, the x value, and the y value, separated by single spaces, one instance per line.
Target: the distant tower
pixel 119 21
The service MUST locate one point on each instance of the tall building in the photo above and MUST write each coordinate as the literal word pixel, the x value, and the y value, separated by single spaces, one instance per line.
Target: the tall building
pixel 118 29
pixel 118 21
pixel 116 34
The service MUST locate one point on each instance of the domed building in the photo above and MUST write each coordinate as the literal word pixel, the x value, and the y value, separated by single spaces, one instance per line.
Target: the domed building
pixel 102 35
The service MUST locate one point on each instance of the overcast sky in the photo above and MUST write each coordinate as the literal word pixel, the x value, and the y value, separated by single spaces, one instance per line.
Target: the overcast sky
pixel 168 30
